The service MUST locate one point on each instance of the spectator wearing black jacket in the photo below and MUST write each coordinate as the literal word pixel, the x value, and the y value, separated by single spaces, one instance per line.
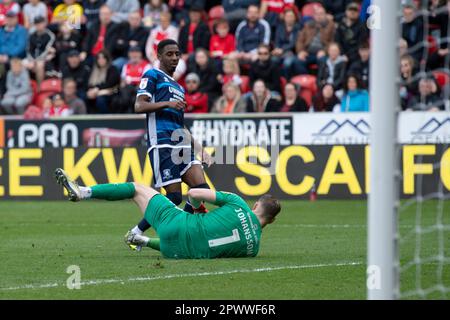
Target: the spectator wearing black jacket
pixel 206 69
pixel 195 34
pixel 134 34
pixel 361 67
pixel 103 83
pixel 265 69
pixel 78 71
pixel 413 30
pixel 67 39
pixel 440 12
pixel 102 35
pixel 332 69
pixel 292 100
pixel 351 32
pixel 336 7
pixel 285 38
pixel 39 49
pixel 91 9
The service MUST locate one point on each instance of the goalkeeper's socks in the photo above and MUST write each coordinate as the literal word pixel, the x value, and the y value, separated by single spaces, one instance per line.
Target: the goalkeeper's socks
pixel 85 193
pixel 188 207
pixel 112 192
pixel 153 243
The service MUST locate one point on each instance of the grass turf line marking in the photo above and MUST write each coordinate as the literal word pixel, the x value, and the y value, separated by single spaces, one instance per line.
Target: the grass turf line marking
pixel 181 275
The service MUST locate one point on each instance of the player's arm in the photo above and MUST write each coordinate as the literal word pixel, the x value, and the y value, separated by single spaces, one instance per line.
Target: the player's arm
pixel 196 196
pixel 143 104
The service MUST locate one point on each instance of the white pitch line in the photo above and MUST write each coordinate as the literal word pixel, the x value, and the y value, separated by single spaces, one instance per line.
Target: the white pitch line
pixel 181 275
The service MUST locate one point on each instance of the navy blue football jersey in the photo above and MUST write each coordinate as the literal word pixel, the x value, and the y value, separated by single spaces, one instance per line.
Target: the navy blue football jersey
pixel 159 86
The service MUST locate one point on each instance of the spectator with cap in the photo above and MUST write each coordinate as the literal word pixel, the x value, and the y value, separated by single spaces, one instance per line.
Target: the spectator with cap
pixel 351 32
pixel 103 35
pixel 196 101
pixel 134 35
pixel 265 69
pixel 121 8
pixel 250 33
pixel 5 7
pixel 31 10
pixel 67 39
pixel 413 30
pixel 70 97
pixel 312 41
pixel 77 70
pixel 18 89
pixel 195 34
pixel 39 50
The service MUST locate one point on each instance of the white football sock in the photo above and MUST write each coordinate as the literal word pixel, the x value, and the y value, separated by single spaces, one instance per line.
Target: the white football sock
pixel 86 192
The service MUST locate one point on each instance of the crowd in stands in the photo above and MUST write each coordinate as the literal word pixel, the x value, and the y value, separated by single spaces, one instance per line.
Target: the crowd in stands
pixel 64 57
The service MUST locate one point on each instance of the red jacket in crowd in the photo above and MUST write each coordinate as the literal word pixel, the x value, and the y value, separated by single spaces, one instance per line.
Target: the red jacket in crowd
pixel 196 102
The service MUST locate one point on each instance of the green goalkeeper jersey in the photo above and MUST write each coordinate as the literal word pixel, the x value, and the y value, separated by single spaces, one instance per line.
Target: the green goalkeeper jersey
pixel 230 230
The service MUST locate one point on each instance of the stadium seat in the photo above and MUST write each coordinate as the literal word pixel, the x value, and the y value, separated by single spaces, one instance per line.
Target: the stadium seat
pixel 52 85
pixel 442 78
pixel 39 101
pixel 33 113
pixel 34 88
pixel 432 45
pixel 309 8
pixel 245 84
pixel 216 12
pixel 308 86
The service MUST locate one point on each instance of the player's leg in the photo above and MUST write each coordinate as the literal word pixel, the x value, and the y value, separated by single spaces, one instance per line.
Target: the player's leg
pixel 194 177
pixel 166 174
pixel 109 191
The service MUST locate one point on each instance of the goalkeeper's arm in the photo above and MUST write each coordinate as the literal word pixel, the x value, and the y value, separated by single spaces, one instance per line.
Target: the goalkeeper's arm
pixel 196 196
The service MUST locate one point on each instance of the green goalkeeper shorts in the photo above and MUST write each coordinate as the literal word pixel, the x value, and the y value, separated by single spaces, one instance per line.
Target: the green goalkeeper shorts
pixel 170 223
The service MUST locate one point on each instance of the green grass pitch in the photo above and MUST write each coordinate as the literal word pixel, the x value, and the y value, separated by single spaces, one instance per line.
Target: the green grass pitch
pixel 315 250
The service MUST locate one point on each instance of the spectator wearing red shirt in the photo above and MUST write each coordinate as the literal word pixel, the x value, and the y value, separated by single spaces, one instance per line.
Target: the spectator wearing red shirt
pixel 196 101
pixel 135 68
pixel 222 43
pixel 163 31
pixel 5 6
pixel 195 34
pixel 271 10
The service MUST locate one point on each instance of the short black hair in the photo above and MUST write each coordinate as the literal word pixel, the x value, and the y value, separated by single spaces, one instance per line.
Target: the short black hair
pixel 271 206
pixel 164 43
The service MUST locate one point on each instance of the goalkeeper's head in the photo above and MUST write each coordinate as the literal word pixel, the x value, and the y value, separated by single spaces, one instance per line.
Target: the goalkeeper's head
pixel 266 208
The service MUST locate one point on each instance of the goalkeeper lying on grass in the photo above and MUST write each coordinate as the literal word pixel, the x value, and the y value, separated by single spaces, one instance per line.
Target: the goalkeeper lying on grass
pixel 230 230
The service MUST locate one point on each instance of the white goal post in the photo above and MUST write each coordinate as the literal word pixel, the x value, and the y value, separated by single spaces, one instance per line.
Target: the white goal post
pixel 382 268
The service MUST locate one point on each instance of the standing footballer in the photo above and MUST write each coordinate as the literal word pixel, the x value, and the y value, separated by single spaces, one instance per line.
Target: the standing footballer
pixel 170 149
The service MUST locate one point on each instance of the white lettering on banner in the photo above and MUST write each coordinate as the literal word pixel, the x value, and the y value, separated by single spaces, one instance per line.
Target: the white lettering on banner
pixel 354 128
pixel 239 132
pixel 47 134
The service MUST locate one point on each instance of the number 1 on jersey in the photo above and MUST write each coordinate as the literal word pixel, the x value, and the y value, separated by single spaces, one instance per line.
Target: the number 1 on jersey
pixel 225 240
